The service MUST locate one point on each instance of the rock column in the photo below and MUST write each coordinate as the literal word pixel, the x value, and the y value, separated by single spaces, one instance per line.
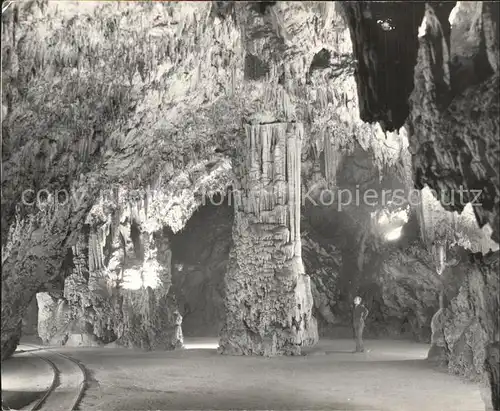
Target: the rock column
pixel 268 295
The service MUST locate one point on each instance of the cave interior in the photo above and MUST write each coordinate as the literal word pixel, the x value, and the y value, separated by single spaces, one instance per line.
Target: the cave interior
pixel 241 171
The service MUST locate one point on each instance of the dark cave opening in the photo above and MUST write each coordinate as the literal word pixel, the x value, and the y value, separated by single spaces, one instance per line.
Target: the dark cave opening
pixel 386 56
pixel 200 254
pixel 135 236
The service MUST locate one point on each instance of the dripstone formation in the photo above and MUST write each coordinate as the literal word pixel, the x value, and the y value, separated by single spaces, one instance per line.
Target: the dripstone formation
pixel 269 298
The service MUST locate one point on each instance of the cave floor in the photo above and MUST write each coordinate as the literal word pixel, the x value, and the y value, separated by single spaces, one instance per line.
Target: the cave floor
pixel 393 375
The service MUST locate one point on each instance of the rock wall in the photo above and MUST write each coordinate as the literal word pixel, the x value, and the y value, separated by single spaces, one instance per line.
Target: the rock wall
pixel 322 262
pixel 32 257
pixel 123 297
pixel 346 254
pixel 452 120
pixel 398 283
pixel 465 333
pixel 268 295
pixel 453 126
pixel 450 106
pixel 43 147
pixel 409 294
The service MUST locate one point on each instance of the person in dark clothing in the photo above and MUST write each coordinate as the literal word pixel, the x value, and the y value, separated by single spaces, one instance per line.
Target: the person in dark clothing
pixel 359 315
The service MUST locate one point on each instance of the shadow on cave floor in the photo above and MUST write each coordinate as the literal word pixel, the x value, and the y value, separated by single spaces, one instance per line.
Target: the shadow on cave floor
pixel 17 400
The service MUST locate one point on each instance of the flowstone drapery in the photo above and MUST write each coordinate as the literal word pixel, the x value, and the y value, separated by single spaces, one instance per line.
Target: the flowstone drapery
pixel 268 295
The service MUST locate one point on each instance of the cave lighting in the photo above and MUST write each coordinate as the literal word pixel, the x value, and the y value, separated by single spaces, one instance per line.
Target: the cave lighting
pixel 422 30
pixel 131 280
pixel 394 234
pixel 201 344
pixel 135 279
pixel 454 13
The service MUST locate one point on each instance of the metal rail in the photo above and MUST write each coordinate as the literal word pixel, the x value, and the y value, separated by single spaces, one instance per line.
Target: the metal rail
pixel 56 381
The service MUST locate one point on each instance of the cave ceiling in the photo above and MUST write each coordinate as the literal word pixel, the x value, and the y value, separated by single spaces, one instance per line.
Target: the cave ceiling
pixel 150 95
pixel 179 80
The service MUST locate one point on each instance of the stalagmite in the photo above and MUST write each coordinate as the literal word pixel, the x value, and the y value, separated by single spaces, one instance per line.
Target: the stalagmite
pixel 268 295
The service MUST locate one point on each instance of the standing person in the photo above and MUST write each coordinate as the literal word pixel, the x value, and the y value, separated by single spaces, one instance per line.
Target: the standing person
pixel 359 315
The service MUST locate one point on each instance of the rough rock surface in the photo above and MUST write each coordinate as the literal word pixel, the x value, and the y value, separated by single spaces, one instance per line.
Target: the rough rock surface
pixel 117 291
pixel 465 331
pixel 452 120
pixel 168 117
pixel 129 299
pixel 409 291
pixel 462 124
pixel 456 112
pixel 147 117
pixel 322 262
pixel 268 294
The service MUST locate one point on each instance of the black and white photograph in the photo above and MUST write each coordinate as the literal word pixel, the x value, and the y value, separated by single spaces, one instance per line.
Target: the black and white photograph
pixel 250 205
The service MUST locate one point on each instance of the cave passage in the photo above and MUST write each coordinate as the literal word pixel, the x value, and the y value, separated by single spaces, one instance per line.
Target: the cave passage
pixel 200 253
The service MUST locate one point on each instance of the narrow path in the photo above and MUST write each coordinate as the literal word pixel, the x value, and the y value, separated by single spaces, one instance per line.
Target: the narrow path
pixel 69 381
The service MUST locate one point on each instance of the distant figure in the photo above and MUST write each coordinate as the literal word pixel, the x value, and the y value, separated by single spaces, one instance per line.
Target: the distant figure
pixel 359 315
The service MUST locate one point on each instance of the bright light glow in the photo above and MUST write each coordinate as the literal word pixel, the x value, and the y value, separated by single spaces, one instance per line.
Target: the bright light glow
pixel 383 219
pixel 147 277
pixel 402 215
pixel 201 346
pixel 131 279
pixel 454 13
pixel 394 234
pixel 422 30
pixel 205 343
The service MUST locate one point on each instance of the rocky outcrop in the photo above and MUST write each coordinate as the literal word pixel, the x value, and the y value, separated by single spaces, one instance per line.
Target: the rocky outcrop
pixel 268 295
pixel 118 290
pixel 465 329
pixel 130 300
pixel 461 120
pixel 32 257
pixel 452 112
pixel 58 326
pixel 322 262
pixel 401 288
pixel 452 124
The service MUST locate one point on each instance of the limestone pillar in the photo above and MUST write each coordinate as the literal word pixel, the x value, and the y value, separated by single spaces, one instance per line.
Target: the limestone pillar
pixel 268 295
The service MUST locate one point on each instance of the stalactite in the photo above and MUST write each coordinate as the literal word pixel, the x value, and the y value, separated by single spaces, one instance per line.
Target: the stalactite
pixel 80 257
pixel 266 259
pixel 96 261
pixel 290 157
pixel 333 157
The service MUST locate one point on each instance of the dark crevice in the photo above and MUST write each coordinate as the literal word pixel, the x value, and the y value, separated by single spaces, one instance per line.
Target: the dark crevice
pixel 262 7
pixel 386 58
pixel 255 68
pixel 135 236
